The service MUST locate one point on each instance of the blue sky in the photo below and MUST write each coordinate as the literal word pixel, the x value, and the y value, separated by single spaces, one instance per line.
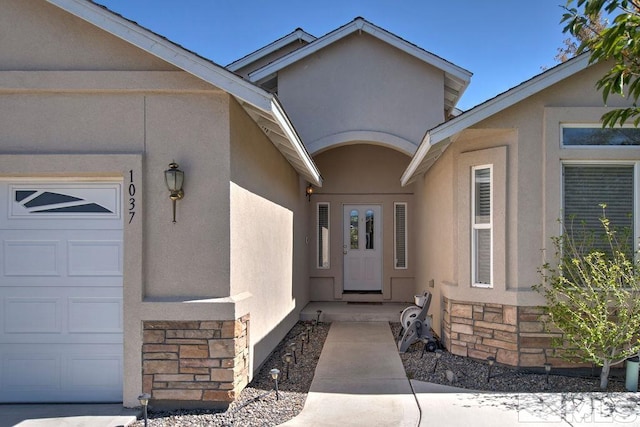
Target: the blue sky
pixel 502 42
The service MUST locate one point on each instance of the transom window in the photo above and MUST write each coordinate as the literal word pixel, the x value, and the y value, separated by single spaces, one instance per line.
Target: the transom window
pixel 597 136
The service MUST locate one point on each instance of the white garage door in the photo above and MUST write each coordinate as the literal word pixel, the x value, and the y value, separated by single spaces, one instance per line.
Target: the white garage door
pixel 60 292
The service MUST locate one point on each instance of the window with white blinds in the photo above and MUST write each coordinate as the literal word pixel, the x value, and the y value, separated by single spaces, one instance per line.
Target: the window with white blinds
pixel 481 218
pixel 586 188
pixel 400 235
pixel 323 235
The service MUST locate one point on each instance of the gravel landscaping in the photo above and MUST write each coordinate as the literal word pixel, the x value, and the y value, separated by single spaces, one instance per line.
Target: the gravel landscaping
pixel 258 406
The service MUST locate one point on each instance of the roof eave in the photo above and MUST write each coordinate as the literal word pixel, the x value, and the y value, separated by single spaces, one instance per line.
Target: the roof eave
pixel 482 111
pixel 359 24
pixel 201 68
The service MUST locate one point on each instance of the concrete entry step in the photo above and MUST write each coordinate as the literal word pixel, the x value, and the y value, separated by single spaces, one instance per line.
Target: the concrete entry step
pixel 354 311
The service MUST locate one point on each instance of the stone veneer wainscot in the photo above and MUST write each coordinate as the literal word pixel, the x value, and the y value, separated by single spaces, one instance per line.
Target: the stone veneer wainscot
pixel 195 363
pixel 515 336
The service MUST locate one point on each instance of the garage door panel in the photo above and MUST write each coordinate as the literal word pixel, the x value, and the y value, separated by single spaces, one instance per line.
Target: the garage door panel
pixel 24 371
pixel 32 315
pixel 81 373
pixel 31 258
pixel 95 315
pixel 94 258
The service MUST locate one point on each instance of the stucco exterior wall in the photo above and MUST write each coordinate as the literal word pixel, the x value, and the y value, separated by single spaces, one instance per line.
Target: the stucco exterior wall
pixel 76 102
pixel 353 87
pixel 362 174
pixel 268 235
pixel 51 39
pixel 522 143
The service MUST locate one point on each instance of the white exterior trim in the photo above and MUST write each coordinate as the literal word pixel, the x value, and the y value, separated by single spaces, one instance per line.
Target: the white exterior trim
pixel 379 138
pixel 298 34
pixel 487 109
pixel 474 227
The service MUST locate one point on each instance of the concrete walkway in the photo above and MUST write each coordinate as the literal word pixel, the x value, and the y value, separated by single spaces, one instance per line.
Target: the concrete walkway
pixel 360 381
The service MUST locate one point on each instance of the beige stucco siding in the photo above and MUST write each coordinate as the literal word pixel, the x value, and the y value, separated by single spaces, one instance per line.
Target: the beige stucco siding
pixel 360 84
pixel 51 39
pixel 267 235
pixel 528 134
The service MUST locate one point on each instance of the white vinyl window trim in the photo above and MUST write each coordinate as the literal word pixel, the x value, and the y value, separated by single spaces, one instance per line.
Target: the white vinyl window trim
pixel 482 226
pixel 323 236
pixel 400 236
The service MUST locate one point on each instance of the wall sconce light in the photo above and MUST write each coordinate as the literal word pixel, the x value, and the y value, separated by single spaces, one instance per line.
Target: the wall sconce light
pixel 309 192
pixel 144 401
pixel 174 178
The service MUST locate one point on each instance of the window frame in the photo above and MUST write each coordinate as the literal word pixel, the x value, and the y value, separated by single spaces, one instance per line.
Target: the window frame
pixel 595 162
pixel 488 226
pixel 327 245
pixel 395 237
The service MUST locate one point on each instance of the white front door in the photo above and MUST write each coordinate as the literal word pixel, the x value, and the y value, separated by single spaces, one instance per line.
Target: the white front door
pixel 362 248
pixel 60 292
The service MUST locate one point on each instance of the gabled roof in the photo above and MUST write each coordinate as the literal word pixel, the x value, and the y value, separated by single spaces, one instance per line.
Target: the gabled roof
pixel 297 35
pixel 263 107
pixel 456 78
pixel 436 140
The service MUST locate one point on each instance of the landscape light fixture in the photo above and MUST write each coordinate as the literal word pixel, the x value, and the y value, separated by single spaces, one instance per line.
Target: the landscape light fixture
pixel 547 371
pixel 308 332
pixel 491 360
pixel 275 374
pixel 303 338
pixel 438 356
pixel 287 361
pixel 293 346
pixel 318 314
pixel 174 178
pixel 144 401
pixel 309 191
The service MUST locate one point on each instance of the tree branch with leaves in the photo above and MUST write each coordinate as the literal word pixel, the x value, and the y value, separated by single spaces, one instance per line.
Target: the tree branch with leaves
pixel 593 297
pixel 618 42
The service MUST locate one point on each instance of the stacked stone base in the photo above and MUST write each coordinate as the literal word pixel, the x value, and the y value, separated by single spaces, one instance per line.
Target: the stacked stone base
pixel 515 336
pixel 195 363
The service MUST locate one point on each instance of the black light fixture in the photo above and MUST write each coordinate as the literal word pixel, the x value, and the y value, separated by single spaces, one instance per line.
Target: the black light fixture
pixel 275 374
pixel 144 401
pixel 491 360
pixel 547 371
pixel 309 192
pixel 174 178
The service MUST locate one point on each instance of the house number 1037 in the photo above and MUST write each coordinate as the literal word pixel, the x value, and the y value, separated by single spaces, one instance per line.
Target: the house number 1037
pixel 132 199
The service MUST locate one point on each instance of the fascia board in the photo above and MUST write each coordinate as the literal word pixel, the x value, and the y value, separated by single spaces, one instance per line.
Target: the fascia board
pixel 298 34
pixel 280 115
pixel 361 25
pixel 493 106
